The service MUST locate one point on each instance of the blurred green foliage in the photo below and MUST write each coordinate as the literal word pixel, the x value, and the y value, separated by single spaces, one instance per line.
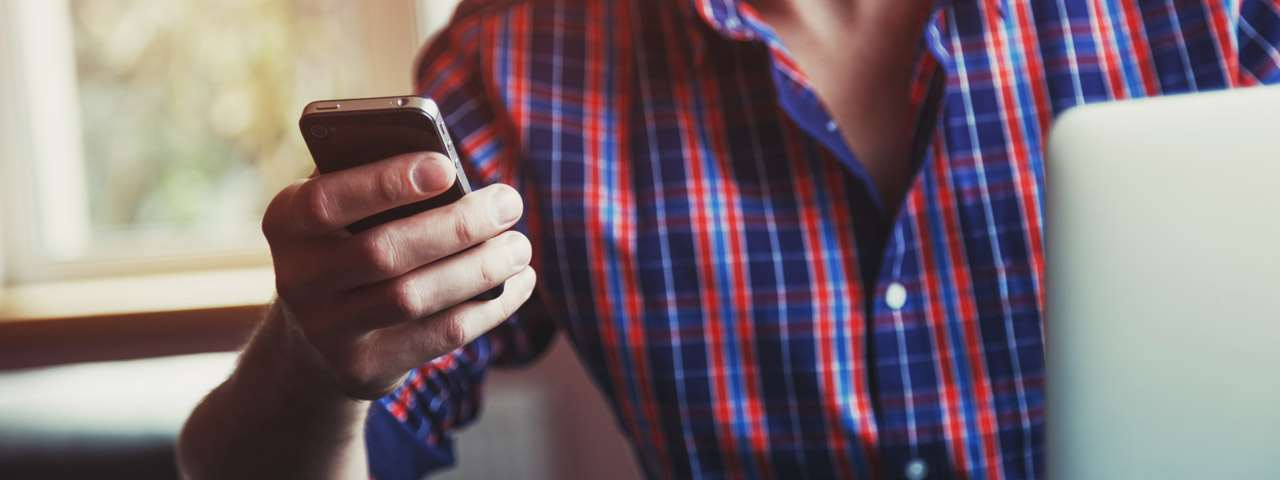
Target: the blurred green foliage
pixel 190 107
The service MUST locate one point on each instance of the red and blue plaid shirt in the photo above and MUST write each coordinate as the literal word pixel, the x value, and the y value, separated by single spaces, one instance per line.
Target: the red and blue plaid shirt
pixel 719 259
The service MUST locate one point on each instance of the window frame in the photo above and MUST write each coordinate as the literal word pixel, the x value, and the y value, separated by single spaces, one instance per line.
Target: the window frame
pixel 34 189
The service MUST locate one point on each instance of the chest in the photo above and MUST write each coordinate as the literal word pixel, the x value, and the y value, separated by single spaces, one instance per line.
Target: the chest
pixel 670 177
pixel 690 215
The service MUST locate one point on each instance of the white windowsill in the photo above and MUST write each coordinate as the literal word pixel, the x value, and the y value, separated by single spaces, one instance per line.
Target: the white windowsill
pixel 200 290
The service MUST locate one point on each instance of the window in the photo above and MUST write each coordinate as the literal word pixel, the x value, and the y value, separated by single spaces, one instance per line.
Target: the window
pixel 140 136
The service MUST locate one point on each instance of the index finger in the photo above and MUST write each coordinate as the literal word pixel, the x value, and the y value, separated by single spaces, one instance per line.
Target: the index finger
pixel 329 202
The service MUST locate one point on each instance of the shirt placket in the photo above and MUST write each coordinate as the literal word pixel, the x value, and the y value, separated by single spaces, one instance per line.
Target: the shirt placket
pixel 905 385
pixel 893 307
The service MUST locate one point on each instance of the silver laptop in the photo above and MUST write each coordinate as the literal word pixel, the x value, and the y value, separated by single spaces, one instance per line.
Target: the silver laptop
pixel 1163 323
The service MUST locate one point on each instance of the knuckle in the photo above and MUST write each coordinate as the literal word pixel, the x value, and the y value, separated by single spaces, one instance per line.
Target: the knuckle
pixel 376 253
pixel 493 268
pixel 453 331
pixel 464 228
pixel 403 300
pixel 391 185
pixel 312 206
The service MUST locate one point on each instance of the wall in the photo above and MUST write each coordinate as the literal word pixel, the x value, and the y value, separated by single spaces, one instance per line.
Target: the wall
pixel 548 421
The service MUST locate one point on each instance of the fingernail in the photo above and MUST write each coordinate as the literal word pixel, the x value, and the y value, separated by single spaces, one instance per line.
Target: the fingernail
pixel 518 251
pixel 505 206
pixel 431 175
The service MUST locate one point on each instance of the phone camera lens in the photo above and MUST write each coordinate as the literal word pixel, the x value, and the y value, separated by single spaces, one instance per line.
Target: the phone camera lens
pixel 402 102
pixel 319 131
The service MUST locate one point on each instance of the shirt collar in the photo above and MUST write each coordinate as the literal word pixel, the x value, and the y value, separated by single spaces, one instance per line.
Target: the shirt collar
pixel 731 18
pixel 725 17
pixel 737 21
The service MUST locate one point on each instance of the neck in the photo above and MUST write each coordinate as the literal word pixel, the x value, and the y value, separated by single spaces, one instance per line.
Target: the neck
pixel 885 17
pixel 797 8
pixel 858 57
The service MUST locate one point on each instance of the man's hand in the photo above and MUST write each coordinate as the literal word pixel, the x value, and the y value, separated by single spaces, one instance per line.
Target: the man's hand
pixel 355 314
pixel 377 304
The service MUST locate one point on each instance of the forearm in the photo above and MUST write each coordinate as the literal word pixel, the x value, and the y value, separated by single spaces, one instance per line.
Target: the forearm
pixel 277 416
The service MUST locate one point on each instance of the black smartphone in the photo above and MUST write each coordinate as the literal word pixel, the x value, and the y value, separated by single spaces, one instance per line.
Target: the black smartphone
pixel 346 133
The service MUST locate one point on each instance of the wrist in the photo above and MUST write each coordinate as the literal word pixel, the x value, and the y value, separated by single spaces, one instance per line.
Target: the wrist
pixel 279 361
pixel 278 415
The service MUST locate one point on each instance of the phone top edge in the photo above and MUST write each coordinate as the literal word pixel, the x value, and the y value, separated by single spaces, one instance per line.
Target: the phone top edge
pixel 405 102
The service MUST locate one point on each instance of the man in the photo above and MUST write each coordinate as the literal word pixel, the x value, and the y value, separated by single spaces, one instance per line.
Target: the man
pixel 789 238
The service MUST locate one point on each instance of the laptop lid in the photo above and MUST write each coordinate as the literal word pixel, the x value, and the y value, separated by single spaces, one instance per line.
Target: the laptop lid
pixel 1163 277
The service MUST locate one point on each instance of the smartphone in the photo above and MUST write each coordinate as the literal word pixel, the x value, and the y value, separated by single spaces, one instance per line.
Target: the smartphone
pixel 346 133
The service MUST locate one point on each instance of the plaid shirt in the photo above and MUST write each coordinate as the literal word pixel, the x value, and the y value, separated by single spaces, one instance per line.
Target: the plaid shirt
pixel 717 255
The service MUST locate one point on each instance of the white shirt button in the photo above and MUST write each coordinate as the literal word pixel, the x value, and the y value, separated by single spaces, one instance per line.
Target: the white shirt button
pixel 831 125
pixel 895 296
pixel 732 23
pixel 916 469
